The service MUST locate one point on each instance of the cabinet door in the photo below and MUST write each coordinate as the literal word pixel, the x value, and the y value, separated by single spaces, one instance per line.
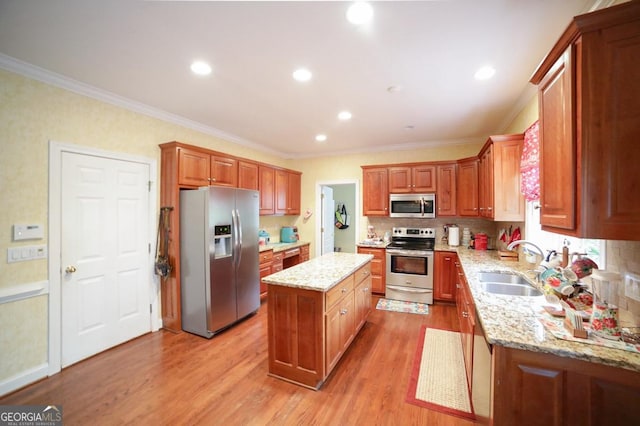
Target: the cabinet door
pixel 224 171
pixel 468 188
pixel 375 194
pixel 508 201
pixel 267 182
pixel 247 175
pixel 400 180
pixel 446 194
pixel 194 168
pixel 282 183
pixel 293 193
pixel 362 294
pixel 340 322
pixel 423 178
pixel 486 183
pixel 557 147
pixel 444 280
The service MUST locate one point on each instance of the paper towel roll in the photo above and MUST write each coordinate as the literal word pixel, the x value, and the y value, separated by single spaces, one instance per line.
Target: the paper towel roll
pixel 454 236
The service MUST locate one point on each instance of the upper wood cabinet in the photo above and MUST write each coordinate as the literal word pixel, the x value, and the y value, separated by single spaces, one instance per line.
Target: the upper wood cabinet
pixel 196 168
pixel 267 185
pixel 418 178
pixel 446 199
pixel 499 179
pixel 287 192
pixel 467 187
pixel 247 175
pixel 375 193
pixel 589 110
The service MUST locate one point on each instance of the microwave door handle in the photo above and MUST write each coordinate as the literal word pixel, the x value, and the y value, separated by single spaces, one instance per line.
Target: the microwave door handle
pixel 422 206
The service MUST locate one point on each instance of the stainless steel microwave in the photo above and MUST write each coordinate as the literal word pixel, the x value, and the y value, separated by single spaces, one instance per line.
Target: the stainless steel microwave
pixel 412 205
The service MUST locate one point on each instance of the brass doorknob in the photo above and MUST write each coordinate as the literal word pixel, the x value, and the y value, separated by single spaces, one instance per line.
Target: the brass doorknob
pixel 70 269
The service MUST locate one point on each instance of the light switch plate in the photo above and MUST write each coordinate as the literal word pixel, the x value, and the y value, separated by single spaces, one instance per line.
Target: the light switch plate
pixel 23 253
pixel 632 286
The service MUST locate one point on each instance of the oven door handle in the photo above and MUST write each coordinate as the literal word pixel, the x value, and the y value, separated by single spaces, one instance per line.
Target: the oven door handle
pixel 409 290
pixel 413 253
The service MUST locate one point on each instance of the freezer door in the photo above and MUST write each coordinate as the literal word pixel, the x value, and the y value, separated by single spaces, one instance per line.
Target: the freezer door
pixel 247 262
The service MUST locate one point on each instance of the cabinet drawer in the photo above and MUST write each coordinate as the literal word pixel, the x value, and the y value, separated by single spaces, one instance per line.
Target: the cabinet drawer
pixel 363 273
pixel 277 257
pixel 291 252
pixel 339 291
pixel 304 250
pixel 266 256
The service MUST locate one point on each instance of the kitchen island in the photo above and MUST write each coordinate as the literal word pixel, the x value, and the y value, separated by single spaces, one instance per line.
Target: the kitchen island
pixel 315 310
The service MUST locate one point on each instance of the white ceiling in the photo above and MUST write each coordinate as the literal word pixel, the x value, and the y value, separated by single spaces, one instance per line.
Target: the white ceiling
pixel 142 50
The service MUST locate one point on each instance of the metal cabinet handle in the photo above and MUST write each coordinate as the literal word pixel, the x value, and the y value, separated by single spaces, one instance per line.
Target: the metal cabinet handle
pixel 344 290
pixel 343 312
pixel 70 269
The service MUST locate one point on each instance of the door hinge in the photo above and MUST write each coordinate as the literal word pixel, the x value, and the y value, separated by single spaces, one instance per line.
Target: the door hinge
pixel 149 186
pixel 149 247
pixel 150 308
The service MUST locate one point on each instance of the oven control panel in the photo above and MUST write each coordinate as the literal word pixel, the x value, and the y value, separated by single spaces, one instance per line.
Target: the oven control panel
pixel 414 232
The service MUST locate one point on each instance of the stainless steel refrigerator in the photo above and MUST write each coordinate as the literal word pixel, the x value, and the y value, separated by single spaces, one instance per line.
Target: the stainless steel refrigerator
pixel 219 277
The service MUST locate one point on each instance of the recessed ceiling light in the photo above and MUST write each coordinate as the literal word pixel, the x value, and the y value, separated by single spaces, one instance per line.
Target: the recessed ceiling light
pixel 344 115
pixel 201 68
pixel 394 88
pixel 484 73
pixel 302 74
pixel 321 138
pixel 409 127
pixel 360 13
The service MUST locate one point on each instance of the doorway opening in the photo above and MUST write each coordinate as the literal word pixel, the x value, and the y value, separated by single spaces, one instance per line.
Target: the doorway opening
pixel 345 194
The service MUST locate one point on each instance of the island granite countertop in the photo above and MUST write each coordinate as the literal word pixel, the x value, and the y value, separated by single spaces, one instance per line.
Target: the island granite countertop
pixel 512 321
pixel 320 273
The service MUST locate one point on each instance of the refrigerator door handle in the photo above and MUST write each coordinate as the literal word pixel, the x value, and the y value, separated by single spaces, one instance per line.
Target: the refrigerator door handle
pixel 239 238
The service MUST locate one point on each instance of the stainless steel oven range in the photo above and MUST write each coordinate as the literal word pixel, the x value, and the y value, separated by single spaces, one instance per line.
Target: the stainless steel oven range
pixel 410 265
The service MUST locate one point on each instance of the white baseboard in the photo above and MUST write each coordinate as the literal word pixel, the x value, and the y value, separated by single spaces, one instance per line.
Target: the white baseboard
pixel 23 379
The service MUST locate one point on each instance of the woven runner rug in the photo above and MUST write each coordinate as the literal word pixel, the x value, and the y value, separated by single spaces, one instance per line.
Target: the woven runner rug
pixel 438 379
pixel 401 306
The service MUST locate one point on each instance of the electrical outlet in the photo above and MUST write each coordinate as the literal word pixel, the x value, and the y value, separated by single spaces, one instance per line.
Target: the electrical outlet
pixel 632 286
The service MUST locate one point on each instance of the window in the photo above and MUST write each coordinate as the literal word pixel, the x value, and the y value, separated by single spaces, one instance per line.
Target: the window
pixel 594 249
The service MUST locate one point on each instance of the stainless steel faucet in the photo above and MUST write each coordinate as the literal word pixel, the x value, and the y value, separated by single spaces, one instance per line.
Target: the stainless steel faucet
pixel 525 242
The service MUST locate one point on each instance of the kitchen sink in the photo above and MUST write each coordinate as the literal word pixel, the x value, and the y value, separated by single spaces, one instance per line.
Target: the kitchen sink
pixel 509 289
pixel 503 277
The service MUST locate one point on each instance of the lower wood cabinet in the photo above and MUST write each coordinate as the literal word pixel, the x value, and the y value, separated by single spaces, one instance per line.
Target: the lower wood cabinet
pixel 266 258
pixel 309 331
pixel 378 268
pixel 535 388
pixel 444 276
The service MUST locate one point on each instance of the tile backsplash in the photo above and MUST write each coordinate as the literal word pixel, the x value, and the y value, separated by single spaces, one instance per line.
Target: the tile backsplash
pixel 624 257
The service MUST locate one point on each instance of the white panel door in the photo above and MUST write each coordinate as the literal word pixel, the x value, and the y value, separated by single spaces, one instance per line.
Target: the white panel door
pixel 328 220
pixel 104 254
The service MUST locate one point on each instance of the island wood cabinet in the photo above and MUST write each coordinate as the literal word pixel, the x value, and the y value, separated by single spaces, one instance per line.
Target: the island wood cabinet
pixel 589 103
pixel 500 198
pixel 309 330
pixel 417 178
pixel 536 388
pixel 287 192
pixel 467 187
pixel 445 276
pixel 378 268
pixel 446 198
pixel 375 191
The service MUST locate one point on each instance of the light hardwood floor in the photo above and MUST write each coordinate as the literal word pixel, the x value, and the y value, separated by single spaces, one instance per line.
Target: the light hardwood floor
pixel 180 379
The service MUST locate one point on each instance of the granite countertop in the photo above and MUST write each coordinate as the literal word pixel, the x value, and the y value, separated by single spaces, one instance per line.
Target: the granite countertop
pixel 512 321
pixel 276 247
pixel 374 243
pixel 320 273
